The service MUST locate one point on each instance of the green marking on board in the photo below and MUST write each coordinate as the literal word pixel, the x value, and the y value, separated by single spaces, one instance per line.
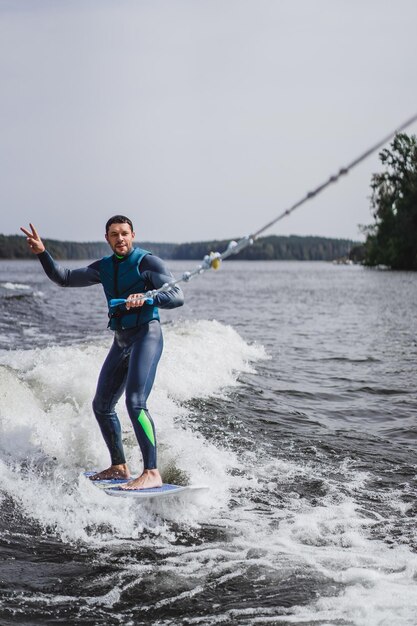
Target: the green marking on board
pixel 146 424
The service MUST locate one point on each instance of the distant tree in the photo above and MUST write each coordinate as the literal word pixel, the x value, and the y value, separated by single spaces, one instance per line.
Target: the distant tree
pixel 392 239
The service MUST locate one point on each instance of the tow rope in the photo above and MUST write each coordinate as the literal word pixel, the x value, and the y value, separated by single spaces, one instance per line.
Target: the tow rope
pixel 214 259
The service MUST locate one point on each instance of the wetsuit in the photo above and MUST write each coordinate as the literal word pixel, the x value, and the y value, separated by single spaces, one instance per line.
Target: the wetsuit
pixel 133 358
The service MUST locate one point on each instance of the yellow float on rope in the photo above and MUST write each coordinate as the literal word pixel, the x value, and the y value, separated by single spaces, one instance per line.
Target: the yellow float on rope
pixel 215 260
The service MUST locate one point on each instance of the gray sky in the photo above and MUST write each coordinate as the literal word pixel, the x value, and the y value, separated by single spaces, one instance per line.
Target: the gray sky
pixel 199 119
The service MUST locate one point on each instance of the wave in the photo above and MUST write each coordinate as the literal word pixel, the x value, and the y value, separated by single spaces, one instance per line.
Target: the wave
pixel 50 436
pixel 296 520
pixel 15 286
pixel 20 291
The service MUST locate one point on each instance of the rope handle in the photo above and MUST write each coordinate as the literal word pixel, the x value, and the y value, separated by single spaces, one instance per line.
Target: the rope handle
pixel 115 302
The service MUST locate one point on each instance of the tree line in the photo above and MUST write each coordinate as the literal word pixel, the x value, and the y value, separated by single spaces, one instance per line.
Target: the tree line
pixel 391 240
pixel 274 247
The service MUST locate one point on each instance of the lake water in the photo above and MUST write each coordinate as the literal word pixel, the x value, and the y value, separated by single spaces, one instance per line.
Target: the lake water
pixel 287 387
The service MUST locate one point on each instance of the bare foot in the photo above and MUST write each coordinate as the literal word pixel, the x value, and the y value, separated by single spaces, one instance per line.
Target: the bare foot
pixel 147 480
pixel 114 471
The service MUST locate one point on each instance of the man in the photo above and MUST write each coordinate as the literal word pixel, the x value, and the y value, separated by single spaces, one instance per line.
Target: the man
pixel 131 363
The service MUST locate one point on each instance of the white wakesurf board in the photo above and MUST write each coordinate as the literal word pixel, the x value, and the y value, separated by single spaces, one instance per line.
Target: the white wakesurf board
pixel 112 488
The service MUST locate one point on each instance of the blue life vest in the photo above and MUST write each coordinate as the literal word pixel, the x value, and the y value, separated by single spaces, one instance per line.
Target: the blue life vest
pixel 120 278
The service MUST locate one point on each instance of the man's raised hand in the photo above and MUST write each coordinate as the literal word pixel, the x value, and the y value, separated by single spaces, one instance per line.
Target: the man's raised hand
pixel 34 241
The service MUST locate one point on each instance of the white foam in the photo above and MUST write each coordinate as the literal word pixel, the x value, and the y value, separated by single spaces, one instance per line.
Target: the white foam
pixel 374 582
pixel 16 286
pixel 202 358
pixel 49 436
pixel 49 433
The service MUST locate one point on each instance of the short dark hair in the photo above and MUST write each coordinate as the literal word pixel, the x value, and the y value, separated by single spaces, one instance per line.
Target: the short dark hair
pixel 118 219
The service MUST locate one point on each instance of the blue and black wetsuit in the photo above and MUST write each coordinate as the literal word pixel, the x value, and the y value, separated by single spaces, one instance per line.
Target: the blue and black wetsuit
pixel 137 347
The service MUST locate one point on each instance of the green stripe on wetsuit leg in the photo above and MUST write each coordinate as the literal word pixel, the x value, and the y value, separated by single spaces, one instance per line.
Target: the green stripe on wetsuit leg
pixel 146 424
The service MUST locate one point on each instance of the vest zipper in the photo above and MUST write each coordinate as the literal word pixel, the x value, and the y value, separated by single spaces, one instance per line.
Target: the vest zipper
pixel 116 278
pixel 116 289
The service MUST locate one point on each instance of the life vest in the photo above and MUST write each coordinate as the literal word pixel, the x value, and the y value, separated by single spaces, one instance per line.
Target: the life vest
pixel 120 278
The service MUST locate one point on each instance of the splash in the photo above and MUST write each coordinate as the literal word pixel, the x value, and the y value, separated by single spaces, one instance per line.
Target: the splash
pixel 49 434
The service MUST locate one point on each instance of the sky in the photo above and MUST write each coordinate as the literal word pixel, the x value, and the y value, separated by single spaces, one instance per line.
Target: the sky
pixel 198 119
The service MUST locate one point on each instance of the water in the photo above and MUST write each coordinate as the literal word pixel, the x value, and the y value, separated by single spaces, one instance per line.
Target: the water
pixel 289 388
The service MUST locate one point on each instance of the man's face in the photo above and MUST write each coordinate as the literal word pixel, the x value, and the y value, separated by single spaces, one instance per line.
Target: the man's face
pixel 120 238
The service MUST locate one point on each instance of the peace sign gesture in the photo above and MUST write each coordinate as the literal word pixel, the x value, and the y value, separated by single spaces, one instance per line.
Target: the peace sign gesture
pixel 34 241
